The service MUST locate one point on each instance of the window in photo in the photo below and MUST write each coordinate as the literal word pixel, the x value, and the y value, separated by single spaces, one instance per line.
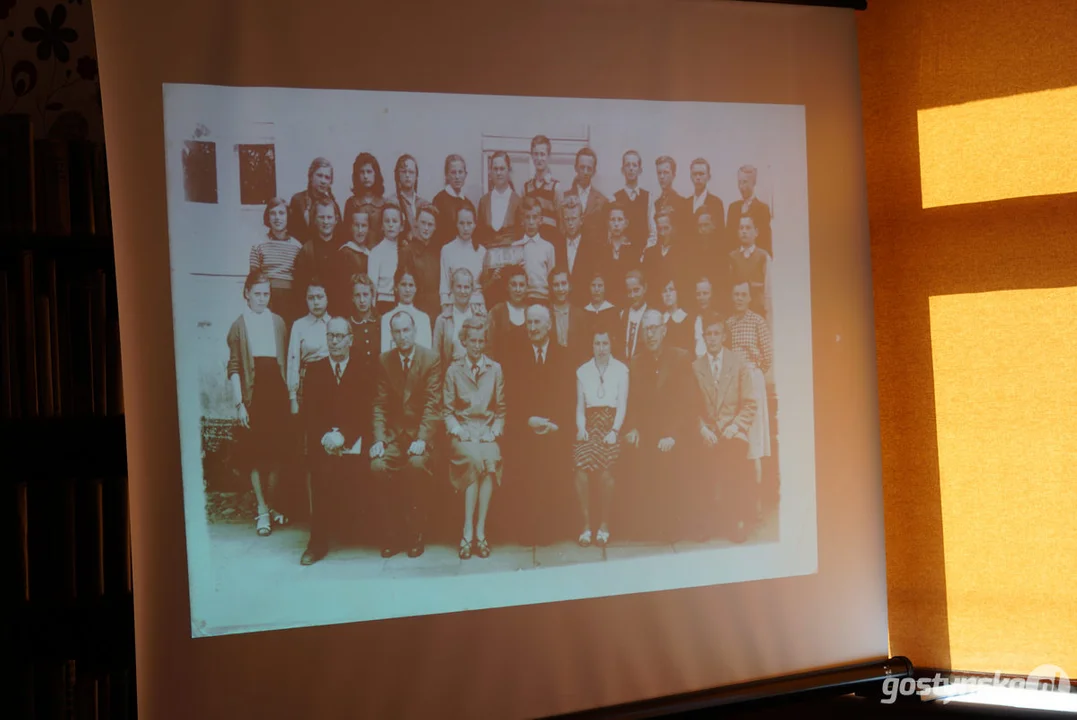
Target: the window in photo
pixel 200 171
pixel 257 173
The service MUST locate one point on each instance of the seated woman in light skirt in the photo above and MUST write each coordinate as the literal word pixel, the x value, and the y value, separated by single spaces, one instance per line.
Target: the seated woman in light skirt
pixel 474 412
pixel 601 402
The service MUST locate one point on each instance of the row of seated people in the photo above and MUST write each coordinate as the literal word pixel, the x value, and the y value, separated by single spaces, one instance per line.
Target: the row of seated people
pixel 413 389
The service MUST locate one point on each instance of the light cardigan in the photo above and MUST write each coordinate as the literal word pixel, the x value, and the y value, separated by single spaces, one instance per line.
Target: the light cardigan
pixel 240 360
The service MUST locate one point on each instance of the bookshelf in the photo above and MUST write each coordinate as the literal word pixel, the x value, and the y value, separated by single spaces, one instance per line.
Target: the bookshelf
pixel 70 630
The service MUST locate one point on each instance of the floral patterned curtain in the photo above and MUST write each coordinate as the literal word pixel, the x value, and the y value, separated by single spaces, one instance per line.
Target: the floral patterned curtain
pixel 48 67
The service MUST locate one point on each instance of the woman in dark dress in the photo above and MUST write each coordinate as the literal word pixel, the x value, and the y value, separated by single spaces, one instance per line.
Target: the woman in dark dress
pixel 321 256
pixel 256 350
pixel 368 185
pixel 680 331
pixel 506 331
pixel 301 207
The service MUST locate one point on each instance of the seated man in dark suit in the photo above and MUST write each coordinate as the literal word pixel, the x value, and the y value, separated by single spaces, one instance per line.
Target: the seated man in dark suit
pixel 406 416
pixel 336 402
pixel 726 413
pixel 540 399
pixel 660 406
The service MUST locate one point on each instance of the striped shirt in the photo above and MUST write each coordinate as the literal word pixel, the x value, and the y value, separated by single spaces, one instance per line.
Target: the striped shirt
pixel 750 336
pixel 276 258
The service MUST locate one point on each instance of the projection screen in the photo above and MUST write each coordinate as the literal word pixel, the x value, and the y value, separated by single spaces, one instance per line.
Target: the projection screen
pixel 558 350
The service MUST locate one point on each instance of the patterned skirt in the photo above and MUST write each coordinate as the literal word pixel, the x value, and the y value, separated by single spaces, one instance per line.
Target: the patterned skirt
pixel 594 454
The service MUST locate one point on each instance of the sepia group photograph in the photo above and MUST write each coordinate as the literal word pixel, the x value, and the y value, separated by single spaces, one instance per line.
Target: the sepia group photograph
pixel 439 353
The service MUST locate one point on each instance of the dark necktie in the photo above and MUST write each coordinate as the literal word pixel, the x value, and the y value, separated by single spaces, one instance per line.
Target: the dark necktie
pixel 475 372
pixel 538 356
pixel 339 372
pixel 631 338
pixel 407 364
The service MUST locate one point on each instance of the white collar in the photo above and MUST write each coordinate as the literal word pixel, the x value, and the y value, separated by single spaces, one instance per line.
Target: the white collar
pixel 500 194
pixel 342 363
pixel 706 189
pixel 747 251
pixel 453 193
pixel 637 313
pixel 605 305
pixel 677 317
pixel 573 241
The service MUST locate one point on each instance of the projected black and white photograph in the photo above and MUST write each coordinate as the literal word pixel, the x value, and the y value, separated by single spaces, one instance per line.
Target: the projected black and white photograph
pixel 439 353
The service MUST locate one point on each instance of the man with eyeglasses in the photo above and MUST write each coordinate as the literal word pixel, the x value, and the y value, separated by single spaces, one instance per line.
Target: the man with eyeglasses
pixel 660 403
pixel 334 391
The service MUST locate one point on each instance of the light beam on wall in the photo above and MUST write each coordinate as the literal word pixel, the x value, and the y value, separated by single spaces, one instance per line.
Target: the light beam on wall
pixel 1017 146
pixel 1005 374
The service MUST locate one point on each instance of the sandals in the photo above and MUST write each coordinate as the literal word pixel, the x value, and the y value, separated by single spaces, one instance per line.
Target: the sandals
pixel 262 524
pixel 482 547
pixel 278 517
pixel 585 539
pixel 602 537
pixel 465 549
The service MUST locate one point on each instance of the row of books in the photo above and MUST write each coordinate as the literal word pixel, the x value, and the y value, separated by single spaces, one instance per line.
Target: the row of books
pixel 51 186
pixel 66 689
pixel 59 337
pixel 72 541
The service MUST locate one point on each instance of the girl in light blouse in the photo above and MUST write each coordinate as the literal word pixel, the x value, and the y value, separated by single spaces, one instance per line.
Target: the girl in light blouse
pixel 256 370
pixel 601 403
pixel 308 342
pixel 405 294
pixel 463 252
pixel 474 413
pixel 275 256
pixel 385 257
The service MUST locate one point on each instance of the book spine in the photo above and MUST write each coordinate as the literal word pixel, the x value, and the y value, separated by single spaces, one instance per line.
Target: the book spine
pixel 81 187
pixel 29 326
pixel 53 185
pixel 7 321
pixel 17 168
